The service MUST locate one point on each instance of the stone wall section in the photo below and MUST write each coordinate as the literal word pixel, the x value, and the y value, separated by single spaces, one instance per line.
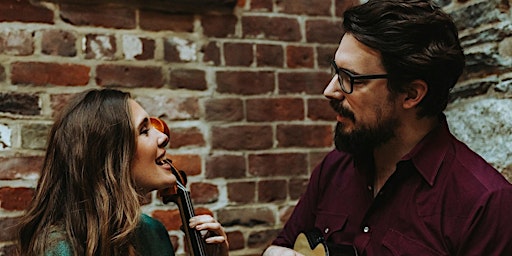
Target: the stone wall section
pixel 242 92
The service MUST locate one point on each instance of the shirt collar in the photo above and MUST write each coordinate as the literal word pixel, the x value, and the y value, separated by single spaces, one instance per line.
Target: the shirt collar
pixel 429 153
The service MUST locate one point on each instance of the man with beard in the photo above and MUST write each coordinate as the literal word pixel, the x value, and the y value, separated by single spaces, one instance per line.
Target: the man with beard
pixel 399 183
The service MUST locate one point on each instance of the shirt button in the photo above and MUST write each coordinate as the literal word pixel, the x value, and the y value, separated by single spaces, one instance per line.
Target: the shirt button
pixel 366 229
pixel 326 230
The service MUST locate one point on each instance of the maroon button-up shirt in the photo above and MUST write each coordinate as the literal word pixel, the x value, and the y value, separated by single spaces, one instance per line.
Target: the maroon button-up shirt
pixel 443 199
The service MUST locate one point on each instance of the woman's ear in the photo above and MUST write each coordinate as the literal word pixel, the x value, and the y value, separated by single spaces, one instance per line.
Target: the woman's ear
pixel 414 93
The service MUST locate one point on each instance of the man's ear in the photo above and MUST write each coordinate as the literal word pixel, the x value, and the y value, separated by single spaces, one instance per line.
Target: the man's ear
pixel 414 93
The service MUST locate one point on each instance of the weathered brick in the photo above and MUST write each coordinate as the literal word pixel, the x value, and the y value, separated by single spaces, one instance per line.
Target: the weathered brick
pixel 243 192
pixel 190 164
pixel 20 103
pixel 321 7
pixel 2 73
pixel 238 54
pixel 24 11
pixel 301 82
pixel 186 137
pixel 275 109
pixel 98 16
pixel 59 43
pixel 306 136
pixel 41 73
pixel 17 42
pixel 191 79
pixel 138 48
pixel 239 137
pixel 261 239
pixel 171 218
pixel 325 55
pixel 218 25
pixel 322 31
pixel 236 240
pixel 262 5
pixel 232 216
pixel 58 101
pixel 245 83
pixel 212 53
pixel 101 47
pixel 160 105
pixel 225 166
pixel 283 29
pixel 224 109
pixel 8 225
pixel 157 21
pixel 204 193
pixel 342 5
pixel 129 76
pixel 300 56
pixel 33 136
pixel 272 191
pixel 285 213
pixel 179 50
pixel 315 158
pixel 297 187
pixel 269 55
pixel 15 199
pixel 476 14
pixel 265 165
pixel 20 167
pixel 319 109
pixel 9 250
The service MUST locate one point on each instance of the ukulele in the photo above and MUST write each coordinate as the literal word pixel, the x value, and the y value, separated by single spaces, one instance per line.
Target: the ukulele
pixel 181 197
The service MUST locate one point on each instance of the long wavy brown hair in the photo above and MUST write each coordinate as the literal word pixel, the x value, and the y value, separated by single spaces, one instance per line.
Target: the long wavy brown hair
pixel 85 193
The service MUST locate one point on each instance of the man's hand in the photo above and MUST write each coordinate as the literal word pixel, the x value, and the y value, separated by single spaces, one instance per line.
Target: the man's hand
pixel 274 250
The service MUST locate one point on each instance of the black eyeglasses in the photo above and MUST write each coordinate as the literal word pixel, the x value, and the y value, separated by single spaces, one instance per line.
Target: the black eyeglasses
pixel 346 78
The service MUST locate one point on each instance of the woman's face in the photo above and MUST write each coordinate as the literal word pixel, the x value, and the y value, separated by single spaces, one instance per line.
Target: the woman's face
pixel 147 167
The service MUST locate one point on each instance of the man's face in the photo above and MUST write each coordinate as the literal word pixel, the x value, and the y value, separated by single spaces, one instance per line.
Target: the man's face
pixel 367 117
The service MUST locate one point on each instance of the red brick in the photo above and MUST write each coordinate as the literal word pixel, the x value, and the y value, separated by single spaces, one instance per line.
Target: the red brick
pixel 58 43
pixel 245 83
pixel 7 225
pixel 238 54
pixel 157 21
pixel 261 5
pixel 148 49
pixel 325 55
pixel 40 73
pixel 239 137
pixel 269 55
pixel 275 109
pixel 301 82
pixel 272 191
pixel 204 193
pixel 224 109
pixel 191 79
pixel 183 108
pixel 218 25
pixel 129 76
pixel 225 166
pixel 98 16
pixel 306 136
pixel 2 73
pixel 174 49
pixel 15 199
pixel 297 187
pixel 20 167
pixel 24 11
pixel 58 101
pixel 9 250
pixel 212 53
pixel 285 213
pixel 186 137
pixel 282 29
pixel 236 240
pixel 261 239
pixel 101 47
pixel 300 57
pixel 342 5
pixel 315 158
pixel 309 7
pixel 17 42
pixel 243 192
pixel 190 164
pixel 265 165
pixel 245 216
pixel 19 103
pixel 319 109
pixel 170 218
pixel 322 31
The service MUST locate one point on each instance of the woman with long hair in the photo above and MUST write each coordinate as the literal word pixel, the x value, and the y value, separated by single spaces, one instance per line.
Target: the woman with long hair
pixel 103 157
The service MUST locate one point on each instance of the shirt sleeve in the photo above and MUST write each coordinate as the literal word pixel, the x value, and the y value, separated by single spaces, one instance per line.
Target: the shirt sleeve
pixel 489 232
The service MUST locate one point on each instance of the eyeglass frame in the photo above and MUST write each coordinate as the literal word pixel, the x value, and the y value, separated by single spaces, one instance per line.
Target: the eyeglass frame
pixel 352 77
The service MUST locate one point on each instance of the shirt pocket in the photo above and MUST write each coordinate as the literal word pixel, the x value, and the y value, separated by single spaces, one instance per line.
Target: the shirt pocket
pixel 401 245
pixel 328 222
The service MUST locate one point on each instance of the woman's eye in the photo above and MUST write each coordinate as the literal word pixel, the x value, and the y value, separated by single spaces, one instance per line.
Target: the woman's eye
pixel 144 130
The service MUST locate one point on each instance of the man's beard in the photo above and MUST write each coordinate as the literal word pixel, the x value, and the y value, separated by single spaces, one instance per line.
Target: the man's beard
pixel 365 138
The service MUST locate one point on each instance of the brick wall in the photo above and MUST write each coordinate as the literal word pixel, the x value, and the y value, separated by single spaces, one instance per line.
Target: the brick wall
pixel 241 92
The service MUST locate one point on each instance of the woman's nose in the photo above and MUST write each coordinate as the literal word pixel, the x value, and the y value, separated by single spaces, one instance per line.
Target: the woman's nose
pixel 162 140
pixel 333 89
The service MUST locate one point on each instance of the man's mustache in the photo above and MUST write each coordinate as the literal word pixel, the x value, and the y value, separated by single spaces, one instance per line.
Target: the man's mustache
pixel 344 112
